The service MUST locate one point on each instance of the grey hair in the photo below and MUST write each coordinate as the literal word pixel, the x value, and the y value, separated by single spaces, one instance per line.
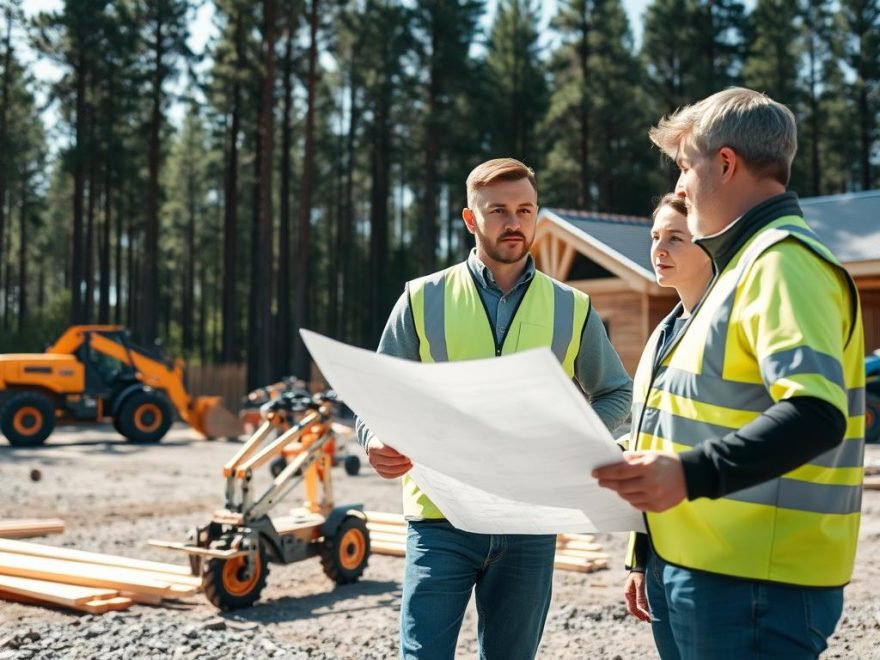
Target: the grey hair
pixel 760 130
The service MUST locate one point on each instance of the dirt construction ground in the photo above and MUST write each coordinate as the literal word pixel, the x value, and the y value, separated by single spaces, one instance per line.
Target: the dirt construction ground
pixel 114 496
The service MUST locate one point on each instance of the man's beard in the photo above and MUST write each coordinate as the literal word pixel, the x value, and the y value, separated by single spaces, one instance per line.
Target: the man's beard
pixel 493 252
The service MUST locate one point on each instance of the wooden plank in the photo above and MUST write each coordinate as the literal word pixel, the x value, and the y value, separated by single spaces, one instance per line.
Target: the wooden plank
pixel 69 554
pixel 384 548
pixel 382 517
pixel 142 599
pixel 28 527
pixel 580 567
pixel 386 537
pixel 98 606
pixel 92 575
pixel 577 545
pixel 61 594
pixel 388 528
pixel 107 605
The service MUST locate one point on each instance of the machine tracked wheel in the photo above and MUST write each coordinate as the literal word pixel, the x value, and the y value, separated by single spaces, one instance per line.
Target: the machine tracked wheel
pixel 27 419
pixel 344 556
pixel 144 417
pixel 226 586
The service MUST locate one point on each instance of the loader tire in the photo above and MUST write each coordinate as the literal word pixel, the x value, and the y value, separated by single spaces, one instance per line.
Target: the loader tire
pixel 144 417
pixel 226 586
pixel 27 419
pixel 344 555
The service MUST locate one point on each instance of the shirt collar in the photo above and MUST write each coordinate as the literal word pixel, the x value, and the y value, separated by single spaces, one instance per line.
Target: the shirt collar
pixel 485 278
pixel 722 246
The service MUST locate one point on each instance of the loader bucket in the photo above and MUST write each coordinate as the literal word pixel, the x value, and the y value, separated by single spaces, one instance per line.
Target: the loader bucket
pixel 212 420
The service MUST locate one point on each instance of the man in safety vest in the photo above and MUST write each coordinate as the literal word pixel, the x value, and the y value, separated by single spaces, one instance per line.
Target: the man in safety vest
pixel 748 425
pixel 495 303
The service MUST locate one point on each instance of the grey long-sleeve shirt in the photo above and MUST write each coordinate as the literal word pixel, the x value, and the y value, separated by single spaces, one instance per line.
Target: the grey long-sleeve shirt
pixel 597 369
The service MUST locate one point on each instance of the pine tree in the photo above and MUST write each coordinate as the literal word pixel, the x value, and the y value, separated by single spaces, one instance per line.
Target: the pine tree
pixel 516 90
pixel 599 158
pixel 860 22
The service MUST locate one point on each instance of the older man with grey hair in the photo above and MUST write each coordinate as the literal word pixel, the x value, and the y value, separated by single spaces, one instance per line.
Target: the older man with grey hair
pixel 748 425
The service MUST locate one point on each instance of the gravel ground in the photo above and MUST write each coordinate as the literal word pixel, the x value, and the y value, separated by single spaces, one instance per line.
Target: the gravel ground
pixel 114 496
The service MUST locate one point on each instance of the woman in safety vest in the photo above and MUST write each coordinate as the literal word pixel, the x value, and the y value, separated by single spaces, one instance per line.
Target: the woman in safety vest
pixel 680 264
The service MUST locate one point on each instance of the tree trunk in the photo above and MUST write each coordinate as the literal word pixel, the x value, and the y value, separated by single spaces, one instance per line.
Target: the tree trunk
pixel 76 269
pixel 428 221
pixel 22 254
pixel 118 311
pixel 230 220
pixel 303 281
pixel 104 252
pixel 282 295
pixel 583 189
pixel 89 302
pixel 4 118
pixel 149 290
pixel 263 267
pixel 346 229
pixel 380 171
pixel 865 142
pixel 189 284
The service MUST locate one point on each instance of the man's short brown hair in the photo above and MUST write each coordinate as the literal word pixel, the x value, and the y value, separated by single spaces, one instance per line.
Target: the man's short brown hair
pixel 760 130
pixel 497 169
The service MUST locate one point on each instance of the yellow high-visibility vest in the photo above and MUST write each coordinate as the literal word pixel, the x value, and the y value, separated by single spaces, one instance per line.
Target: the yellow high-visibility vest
pixel 759 336
pixel 452 324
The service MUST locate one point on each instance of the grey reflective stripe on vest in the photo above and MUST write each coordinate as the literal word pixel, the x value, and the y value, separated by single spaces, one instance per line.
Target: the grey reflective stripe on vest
pixel 803 496
pixel 714 354
pixel 713 389
pixel 680 430
pixel 848 454
pixel 690 432
pixel 801 360
pixel 563 320
pixel 855 399
pixel 435 318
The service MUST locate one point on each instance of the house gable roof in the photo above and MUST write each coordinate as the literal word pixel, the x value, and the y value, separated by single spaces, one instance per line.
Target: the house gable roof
pixel 848 224
pixel 625 238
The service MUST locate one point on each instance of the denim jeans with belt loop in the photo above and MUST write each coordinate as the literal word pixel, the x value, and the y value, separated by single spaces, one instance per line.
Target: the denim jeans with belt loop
pixel 511 576
pixel 704 616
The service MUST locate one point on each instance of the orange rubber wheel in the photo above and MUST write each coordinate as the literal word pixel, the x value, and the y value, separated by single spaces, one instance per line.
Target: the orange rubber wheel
pixel 147 417
pixel 143 416
pixel 27 419
pixel 228 583
pixel 344 555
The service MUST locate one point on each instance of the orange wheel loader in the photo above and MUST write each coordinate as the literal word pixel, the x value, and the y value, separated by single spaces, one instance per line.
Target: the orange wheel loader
pixel 95 373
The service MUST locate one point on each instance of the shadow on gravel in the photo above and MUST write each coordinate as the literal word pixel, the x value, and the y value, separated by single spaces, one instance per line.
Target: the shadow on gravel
pixel 122 447
pixel 330 603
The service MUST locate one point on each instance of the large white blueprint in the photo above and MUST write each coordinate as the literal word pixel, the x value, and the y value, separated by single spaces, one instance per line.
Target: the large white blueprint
pixel 503 445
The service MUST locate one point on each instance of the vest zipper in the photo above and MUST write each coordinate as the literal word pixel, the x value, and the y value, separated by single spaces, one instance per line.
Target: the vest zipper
pixel 499 346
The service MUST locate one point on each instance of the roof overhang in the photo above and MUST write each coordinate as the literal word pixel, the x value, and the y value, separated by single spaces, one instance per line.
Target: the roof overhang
pixel 636 276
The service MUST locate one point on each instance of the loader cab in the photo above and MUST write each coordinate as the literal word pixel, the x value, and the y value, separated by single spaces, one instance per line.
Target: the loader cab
pixel 105 377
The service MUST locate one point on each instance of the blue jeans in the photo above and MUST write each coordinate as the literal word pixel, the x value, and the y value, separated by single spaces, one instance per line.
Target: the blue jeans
pixel 701 616
pixel 510 575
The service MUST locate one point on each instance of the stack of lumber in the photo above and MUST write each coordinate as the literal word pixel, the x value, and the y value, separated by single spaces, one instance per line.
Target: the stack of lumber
pixel 574 552
pixel 87 581
pixel 28 527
